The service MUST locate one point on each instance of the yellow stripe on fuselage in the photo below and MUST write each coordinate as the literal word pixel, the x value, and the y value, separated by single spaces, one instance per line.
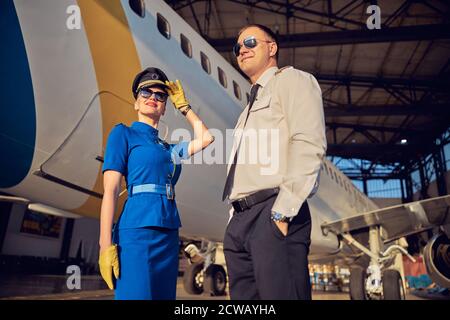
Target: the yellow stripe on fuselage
pixel 116 63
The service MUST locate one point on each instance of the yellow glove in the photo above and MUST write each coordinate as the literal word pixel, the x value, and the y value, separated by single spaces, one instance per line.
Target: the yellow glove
pixel 176 95
pixel 109 262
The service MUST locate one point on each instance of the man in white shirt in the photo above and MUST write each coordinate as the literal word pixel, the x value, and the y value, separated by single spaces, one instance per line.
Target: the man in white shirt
pixel 267 240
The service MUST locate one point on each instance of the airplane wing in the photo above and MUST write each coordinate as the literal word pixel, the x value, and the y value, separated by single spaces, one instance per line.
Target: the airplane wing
pixel 397 221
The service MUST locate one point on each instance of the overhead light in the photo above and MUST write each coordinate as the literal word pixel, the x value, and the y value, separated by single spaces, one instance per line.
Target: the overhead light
pixel 353 141
pixel 404 141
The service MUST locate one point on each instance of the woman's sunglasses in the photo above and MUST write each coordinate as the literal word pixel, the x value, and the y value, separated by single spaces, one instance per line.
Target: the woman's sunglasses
pixel 249 43
pixel 147 93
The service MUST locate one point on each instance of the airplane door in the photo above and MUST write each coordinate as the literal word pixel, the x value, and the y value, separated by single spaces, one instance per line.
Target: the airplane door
pixel 76 164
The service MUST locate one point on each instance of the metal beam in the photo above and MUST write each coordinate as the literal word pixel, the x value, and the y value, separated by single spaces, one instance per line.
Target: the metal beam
pixel 373 176
pixel 436 110
pixel 333 38
pixel 368 148
pixel 391 153
pixel 382 82
pixel 360 128
pixel 399 12
pixel 299 12
pixel 196 19
pixel 371 151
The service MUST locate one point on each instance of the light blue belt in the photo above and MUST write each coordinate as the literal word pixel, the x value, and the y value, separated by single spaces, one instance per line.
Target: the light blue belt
pixel 166 190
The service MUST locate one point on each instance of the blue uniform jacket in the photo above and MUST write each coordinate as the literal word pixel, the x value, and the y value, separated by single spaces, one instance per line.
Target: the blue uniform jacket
pixel 141 157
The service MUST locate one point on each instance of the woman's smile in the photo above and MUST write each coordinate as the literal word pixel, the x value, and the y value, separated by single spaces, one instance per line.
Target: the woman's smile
pixel 151 103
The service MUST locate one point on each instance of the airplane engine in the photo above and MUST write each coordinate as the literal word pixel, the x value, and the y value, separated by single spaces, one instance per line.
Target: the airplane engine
pixel 437 259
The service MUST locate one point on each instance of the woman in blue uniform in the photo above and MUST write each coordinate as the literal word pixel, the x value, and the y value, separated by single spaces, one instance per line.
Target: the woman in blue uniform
pixel 140 258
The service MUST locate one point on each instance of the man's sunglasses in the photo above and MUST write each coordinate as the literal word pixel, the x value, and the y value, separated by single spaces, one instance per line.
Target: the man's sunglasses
pixel 249 43
pixel 147 93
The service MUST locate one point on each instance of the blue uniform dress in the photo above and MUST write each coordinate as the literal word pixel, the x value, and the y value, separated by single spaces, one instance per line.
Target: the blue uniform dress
pixel 147 230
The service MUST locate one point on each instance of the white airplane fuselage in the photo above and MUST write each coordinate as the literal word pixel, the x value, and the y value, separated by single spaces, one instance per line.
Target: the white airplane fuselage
pixel 73 85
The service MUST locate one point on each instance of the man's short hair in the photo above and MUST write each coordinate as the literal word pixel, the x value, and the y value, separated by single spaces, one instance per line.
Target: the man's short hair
pixel 272 35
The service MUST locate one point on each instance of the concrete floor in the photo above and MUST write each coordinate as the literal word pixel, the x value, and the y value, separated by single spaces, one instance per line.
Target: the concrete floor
pixel 93 288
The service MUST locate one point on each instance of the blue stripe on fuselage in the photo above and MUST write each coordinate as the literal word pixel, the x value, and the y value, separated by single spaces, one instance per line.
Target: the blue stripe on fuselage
pixel 17 111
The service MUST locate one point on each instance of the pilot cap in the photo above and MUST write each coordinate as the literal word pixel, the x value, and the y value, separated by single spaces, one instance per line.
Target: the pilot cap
pixel 147 78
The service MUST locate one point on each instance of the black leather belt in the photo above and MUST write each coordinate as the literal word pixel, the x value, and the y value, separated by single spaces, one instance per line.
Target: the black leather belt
pixel 255 198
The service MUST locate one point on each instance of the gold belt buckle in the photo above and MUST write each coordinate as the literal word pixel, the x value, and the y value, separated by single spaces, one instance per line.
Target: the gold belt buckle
pixel 169 192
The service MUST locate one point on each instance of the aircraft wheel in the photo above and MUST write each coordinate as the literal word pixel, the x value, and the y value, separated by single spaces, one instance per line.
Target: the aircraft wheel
pixel 392 285
pixel 215 282
pixel 358 283
pixel 193 279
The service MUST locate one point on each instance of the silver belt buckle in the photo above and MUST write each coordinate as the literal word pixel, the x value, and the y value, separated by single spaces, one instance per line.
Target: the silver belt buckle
pixel 169 192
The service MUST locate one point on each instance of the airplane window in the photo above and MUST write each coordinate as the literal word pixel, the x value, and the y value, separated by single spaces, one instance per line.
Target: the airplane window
pixel 222 77
pixel 237 90
pixel 206 65
pixel 138 6
pixel 163 26
pixel 186 45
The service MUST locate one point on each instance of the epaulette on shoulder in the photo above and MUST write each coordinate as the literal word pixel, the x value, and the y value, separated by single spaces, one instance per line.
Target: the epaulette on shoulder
pixel 282 69
pixel 121 127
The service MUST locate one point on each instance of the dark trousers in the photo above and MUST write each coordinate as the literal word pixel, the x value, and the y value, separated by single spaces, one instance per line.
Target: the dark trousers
pixel 264 264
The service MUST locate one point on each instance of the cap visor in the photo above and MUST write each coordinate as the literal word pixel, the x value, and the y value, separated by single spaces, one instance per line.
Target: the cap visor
pixel 151 83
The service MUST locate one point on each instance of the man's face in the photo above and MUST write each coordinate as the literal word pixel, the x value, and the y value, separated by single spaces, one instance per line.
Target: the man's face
pixel 254 60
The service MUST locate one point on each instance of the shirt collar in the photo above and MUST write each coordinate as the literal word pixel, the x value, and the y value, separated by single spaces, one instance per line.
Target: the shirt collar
pixel 266 76
pixel 143 127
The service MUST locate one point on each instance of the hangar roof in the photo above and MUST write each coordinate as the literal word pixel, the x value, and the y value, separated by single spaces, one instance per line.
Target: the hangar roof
pixel 379 86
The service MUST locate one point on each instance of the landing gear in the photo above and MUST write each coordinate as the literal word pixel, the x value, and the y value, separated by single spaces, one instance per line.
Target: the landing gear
pixel 358 283
pixel 379 280
pixel 203 275
pixel 392 285
pixel 215 281
pixel 193 278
